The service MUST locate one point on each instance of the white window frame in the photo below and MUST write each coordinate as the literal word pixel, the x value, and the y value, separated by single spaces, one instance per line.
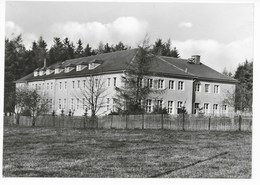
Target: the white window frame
pixel 160 83
pixel 216 91
pixel 206 107
pixel 197 87
pixel 170 107
pixel 148 105
pixel 171 84
pixel 208 88
pixel 181 85
pixel 150 82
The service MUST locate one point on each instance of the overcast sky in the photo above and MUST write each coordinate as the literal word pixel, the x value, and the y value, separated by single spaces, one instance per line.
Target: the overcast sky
pixel 221 33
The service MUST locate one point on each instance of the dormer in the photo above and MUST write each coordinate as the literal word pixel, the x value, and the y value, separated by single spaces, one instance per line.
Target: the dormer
pixel 58 69
pixel 42 71
pixel 95 63
pixel 81 66
pixel 69 67
pixel 49 70
pixel 36 72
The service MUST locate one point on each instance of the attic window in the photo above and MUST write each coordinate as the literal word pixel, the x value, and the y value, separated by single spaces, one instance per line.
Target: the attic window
pixel 69 68
pixel 80 67
pixel 95 64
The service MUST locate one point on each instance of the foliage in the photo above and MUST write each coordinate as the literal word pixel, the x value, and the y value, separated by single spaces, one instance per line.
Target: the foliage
pixel 94 93
pixel 244 88
pixel 164 49
pixel 31 101
pixel 132 96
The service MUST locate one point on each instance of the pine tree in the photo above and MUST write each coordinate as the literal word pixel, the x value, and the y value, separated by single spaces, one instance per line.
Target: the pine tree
pixel 132 96
pixel 79 50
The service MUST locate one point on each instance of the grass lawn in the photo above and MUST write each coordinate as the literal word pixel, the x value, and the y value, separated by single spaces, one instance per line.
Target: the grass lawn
pixel 63 152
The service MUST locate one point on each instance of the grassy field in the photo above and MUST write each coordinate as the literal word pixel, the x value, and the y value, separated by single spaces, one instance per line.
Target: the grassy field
pixel 51 152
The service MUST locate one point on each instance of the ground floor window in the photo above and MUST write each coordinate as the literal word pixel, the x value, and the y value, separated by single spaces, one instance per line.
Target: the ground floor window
pixel 170 107
pixel 148 105
pixel 206 107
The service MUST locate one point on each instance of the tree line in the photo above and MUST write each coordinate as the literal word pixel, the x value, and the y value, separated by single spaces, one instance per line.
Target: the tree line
pixel 20 61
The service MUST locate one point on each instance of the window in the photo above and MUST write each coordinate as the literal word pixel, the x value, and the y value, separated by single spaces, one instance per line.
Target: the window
pixel 216 89
pixel 51 85
pixel 114 81
pixel 196 108
pixel 225 108
pixel 83 103
pixel 171 84
pixel 197 87
pixel 96 83
pixel 64 103
pixel 65 85
pixel 59 103
pixel 77 103
pixel 179 104
pixel 180 85
pixel 84 83
pixel 72 103
pixel 215 108
pixel 50 103
pixel 170 107
pixel 150 82
pixel 207 88
pixel 108 82
pixel 160 84
pixel 60 85
pixel 159 104
pixel 78 83
pixel 47 86
pixel 108 100
pixel 73 84
pixel 148 105
pixel 206 107
pixel 140 82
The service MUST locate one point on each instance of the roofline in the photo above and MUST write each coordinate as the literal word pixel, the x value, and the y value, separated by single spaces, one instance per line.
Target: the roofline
pixel 188 76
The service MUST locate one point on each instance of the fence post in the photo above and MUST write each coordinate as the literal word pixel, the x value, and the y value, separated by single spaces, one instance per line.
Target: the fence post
pixel 111 121
pixel 239 122
pixel 183 121
pixel 142 121
pixel 162 121
pixel 209 122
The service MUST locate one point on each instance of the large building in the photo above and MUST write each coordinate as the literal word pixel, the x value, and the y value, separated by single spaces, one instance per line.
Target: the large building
pixel 185 82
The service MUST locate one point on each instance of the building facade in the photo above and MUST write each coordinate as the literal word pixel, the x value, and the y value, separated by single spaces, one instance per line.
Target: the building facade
pixel 185 83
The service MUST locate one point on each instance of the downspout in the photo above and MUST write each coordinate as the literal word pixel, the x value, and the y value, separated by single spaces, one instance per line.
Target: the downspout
pixel 193 98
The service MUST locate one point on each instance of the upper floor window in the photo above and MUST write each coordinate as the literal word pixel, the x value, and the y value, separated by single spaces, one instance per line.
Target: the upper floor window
pixel 216 89
pixel 64 103
pixel 96 82
pixel 60 85
pixel 84 83
pixel 47 86
pixel 171 84
pixel 160 84
pixel 225 108
pixel 114 81
pixel 197 87
pixel 65 85
pixel 150 82
pixel 59 103
pixel 207 88
pixel 78 83
pixel 73 84
pixel 180 85
pixel 108 82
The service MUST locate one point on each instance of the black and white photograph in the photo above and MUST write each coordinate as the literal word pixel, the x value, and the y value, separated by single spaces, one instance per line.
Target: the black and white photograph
pixel 113 89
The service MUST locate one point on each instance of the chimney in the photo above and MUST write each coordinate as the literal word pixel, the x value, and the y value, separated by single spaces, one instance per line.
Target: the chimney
pixel 196 59
pixel 44 62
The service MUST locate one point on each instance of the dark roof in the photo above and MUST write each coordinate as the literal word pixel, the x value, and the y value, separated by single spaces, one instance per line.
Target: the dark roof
pixel 117 62
pixel 70 65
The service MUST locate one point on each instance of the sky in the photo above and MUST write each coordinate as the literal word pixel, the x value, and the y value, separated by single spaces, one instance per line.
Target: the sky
pixel 222 33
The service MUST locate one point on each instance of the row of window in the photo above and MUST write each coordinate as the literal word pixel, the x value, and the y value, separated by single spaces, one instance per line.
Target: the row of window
pixel 207 88
pixel 75 84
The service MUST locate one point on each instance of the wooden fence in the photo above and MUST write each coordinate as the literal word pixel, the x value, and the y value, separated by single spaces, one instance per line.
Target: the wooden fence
pixel 146 121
